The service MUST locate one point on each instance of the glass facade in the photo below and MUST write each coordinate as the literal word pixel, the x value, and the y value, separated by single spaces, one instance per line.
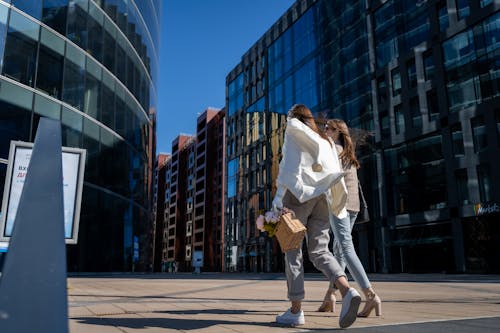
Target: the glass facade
pixel 92 65
pixel 422 77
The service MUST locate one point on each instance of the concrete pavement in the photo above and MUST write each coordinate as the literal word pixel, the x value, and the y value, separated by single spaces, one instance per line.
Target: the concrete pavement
pixel 217 302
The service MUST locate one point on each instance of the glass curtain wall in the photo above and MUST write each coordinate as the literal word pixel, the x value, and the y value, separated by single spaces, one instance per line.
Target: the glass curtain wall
pixel 94 68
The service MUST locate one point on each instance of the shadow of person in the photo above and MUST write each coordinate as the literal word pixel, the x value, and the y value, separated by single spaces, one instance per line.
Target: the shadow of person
pixel 167 323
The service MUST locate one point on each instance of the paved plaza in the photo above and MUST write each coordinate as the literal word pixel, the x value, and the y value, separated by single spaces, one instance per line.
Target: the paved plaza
pixel 218 302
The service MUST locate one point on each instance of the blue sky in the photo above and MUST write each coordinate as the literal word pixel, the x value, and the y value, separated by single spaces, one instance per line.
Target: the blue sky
pixel 201 42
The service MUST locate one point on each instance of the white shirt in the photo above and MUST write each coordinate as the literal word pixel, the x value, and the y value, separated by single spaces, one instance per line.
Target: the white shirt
pixel 303 151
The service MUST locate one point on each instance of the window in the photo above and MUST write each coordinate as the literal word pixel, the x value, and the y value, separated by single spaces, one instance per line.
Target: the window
pixel 382 91
pixel 31 7
pixel 497 117
pixel 457 140
pixel 384 124
pixel 396 82
pixel 50 64
pixel 444 21
pixel 386 35
pixel 428 66
pixel 459 50
pixel 479 134
pixel 416 115
pixel 399 119
pixel 15 115
pixel 485 3
pixel 462 186
pixel 109 50
pixel 432 104
pixel 108 100
pixel 20 49
pixel 71 126
pixel 92 99
pixel 95 35
pixel 54 14
pixel 463 9
pixel 232 176
pixel 412 73
pixel 77 22
pixel 74 77
pixel 484 180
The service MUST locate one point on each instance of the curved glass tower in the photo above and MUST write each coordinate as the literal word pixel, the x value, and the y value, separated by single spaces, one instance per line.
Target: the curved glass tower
pixel 93 65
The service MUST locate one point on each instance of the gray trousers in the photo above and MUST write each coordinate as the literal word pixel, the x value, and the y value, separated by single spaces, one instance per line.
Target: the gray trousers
pixel 315 216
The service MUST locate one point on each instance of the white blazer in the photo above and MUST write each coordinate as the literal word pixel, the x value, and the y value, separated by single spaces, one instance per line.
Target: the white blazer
pixel 310 167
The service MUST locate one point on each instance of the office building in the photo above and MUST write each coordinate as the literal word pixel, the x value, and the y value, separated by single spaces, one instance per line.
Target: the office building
pixel 93 66
pixel 422 77
pixel 194 198
pixel 159 210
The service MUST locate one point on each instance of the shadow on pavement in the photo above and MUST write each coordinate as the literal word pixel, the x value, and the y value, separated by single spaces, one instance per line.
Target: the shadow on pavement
pixel 170 323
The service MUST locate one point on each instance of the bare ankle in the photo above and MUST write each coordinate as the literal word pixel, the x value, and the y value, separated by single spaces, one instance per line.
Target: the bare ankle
pixel 296 306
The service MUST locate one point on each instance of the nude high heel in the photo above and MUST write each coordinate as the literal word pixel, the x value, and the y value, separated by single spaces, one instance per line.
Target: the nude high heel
pixel 372 302
pixel 328 304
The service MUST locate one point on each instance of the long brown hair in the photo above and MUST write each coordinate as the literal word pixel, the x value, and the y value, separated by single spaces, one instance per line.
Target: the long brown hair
pixel 302 113
pixel 348 154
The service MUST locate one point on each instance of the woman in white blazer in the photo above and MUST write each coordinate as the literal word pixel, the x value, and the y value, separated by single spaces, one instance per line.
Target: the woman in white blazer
pixel 343 247
pixel 310 183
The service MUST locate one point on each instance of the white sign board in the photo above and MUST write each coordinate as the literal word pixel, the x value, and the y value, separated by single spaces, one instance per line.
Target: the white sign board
pixel 73 166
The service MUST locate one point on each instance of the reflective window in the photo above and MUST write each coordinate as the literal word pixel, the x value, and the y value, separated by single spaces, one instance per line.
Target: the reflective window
pixel 432 104
pixel 457 140
pixel 416 23
pixel 91 139
pixel 497 117
pixel 50 64
pixel 71 127
pixel 77 22
pixel 396 82
pixel 95 28
pixel 74 77
pixel 4 12
pixel 416 115
pixel 491 29
pixel 463 94
pixel 399 119
pixel 92 100
pixel 15 115
pixel 235 95
pixel 412 73
pixel 484 180
pixel 20 49
pixel 463 8
pixel 54 14
pixel 45 107
pixel 444 21
pixel 461 180
pixel 416 177
pixel 108 101
pixel 479 134
pixel 31 7
pixel 485 3
pixel 386 35
pixel 232 177
pixel 385 129
pixel 459 50
pixel 109 50
pixel 428 65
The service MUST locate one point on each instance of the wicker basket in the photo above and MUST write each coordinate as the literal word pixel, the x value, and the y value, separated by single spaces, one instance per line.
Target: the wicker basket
pixel 289 232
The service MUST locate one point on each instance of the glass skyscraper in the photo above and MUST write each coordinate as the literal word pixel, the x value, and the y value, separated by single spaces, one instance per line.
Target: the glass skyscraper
pixel 423 78
pixel 93 65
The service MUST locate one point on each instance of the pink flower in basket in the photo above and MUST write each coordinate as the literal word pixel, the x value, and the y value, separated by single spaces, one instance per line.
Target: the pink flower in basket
pixel 269 220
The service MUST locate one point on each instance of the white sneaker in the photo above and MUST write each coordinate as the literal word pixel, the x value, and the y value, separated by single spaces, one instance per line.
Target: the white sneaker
pixel 292 319
pixel 350 306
